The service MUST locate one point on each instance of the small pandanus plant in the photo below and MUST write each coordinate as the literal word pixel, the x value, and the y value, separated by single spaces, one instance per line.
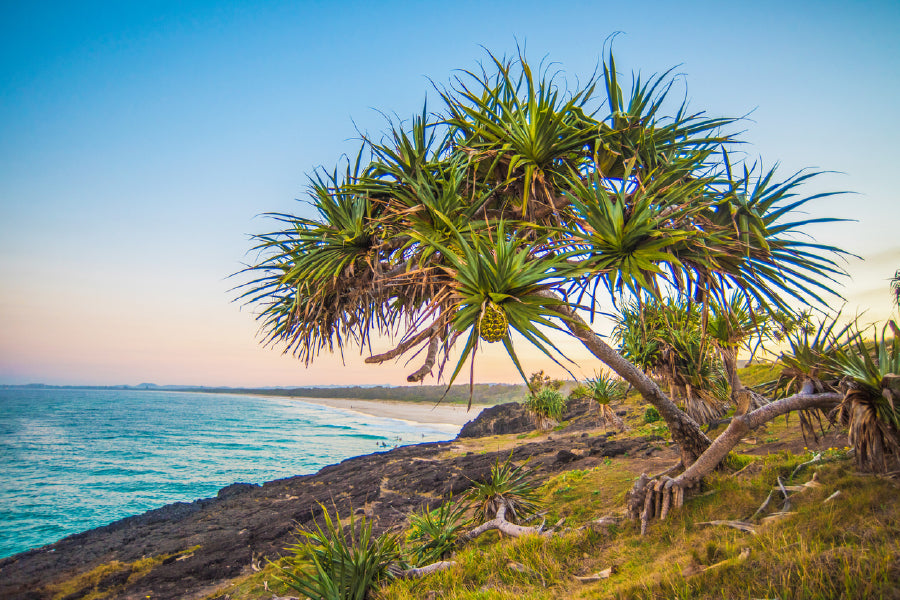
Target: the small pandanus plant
pixel 871 405
pixel 510 491
pixel 605 389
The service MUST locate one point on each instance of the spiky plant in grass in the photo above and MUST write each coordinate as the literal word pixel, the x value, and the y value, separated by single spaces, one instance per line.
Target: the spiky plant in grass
pixel 547 406
pixel 808 367
pixel 338 562
pixel 871 405
pixel 604 389
pixel 809 358
pixel 509 492
pixel 433 534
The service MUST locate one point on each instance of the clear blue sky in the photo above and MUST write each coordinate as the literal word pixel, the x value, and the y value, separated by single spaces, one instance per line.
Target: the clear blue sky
pixel 139 140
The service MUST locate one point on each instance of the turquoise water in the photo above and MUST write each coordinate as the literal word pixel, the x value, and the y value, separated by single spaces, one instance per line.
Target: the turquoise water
pixel 71 460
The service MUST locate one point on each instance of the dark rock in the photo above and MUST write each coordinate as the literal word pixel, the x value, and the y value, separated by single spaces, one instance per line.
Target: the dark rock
pixel 564 456
pixel 499 420
pixel 234 489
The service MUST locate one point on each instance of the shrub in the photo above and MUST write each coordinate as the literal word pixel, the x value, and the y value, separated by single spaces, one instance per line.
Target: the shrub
pixel 651 415
pixel 433 534
pixel 508 486
pixel 339 563
pixel 547 406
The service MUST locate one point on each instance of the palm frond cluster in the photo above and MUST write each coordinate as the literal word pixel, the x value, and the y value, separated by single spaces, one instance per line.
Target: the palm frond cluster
pixel 687 349
pixel 519 193
pixel 604 390
pixel 337 562
pixel 834 357
pixel 433 534
pixel 509 490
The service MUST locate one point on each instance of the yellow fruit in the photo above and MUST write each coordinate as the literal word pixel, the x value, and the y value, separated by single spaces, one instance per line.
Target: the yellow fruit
pixel 494 324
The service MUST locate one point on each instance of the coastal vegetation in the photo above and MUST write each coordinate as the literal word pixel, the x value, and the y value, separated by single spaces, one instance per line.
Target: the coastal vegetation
pixel 523 210
pixel 481 393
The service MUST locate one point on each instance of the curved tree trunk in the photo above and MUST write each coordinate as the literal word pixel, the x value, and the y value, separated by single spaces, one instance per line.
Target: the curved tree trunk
pixel 742 424
pixel 685 431
pixel 650 499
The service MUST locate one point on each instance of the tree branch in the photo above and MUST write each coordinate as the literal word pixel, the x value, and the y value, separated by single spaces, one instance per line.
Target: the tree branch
pixel 402 347
pixel 430 358
pixel 685 431
pixel 742 424
pixel 503 526
pixel 419 572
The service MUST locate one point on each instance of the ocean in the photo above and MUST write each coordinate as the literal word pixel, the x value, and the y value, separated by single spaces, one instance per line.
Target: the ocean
pixel 71 460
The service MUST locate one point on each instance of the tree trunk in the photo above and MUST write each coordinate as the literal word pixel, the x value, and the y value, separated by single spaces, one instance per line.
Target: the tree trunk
pixel 742 424
pixel 685 431
pixel 653 498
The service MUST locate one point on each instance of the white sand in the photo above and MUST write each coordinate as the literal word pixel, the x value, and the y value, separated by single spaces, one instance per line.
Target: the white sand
pixel 419 412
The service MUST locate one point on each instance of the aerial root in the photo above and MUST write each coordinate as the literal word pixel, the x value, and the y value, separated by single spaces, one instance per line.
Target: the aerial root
pixel 648 508
pixel 653 499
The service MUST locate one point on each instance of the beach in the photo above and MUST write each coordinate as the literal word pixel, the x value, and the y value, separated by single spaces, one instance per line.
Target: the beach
pixel 418 412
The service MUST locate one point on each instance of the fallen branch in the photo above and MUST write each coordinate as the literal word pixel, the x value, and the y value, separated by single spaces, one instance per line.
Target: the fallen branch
pixel 777 516
pixel 744 555
pixel 740 525
pixel 763 506
pixel 815 459
pixel 598 576
pixel 419 572
pixel 503 526
pixel 786 507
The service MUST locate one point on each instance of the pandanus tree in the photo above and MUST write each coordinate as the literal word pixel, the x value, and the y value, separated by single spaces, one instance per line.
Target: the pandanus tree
pixel 520 207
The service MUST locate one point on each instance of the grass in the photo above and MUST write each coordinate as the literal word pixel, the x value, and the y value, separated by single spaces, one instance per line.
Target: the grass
pixel 843 548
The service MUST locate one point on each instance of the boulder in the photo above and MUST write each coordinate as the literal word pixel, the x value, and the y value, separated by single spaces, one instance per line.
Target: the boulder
pixel 499 420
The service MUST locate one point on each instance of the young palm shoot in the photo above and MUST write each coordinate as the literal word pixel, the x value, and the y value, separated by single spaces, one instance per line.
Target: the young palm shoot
pixel 509 493
pixel 434 534
pixel 547 407
pixel 606 390
pixel 871 405
pixel 334 562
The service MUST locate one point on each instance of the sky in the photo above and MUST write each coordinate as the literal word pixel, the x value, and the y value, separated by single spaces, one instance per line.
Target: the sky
pixel 140 143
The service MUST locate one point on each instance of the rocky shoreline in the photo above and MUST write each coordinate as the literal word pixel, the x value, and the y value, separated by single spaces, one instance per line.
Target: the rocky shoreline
pixel 199 547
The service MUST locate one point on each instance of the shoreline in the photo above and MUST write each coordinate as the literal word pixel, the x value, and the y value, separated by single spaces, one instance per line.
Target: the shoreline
pixel 424 413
